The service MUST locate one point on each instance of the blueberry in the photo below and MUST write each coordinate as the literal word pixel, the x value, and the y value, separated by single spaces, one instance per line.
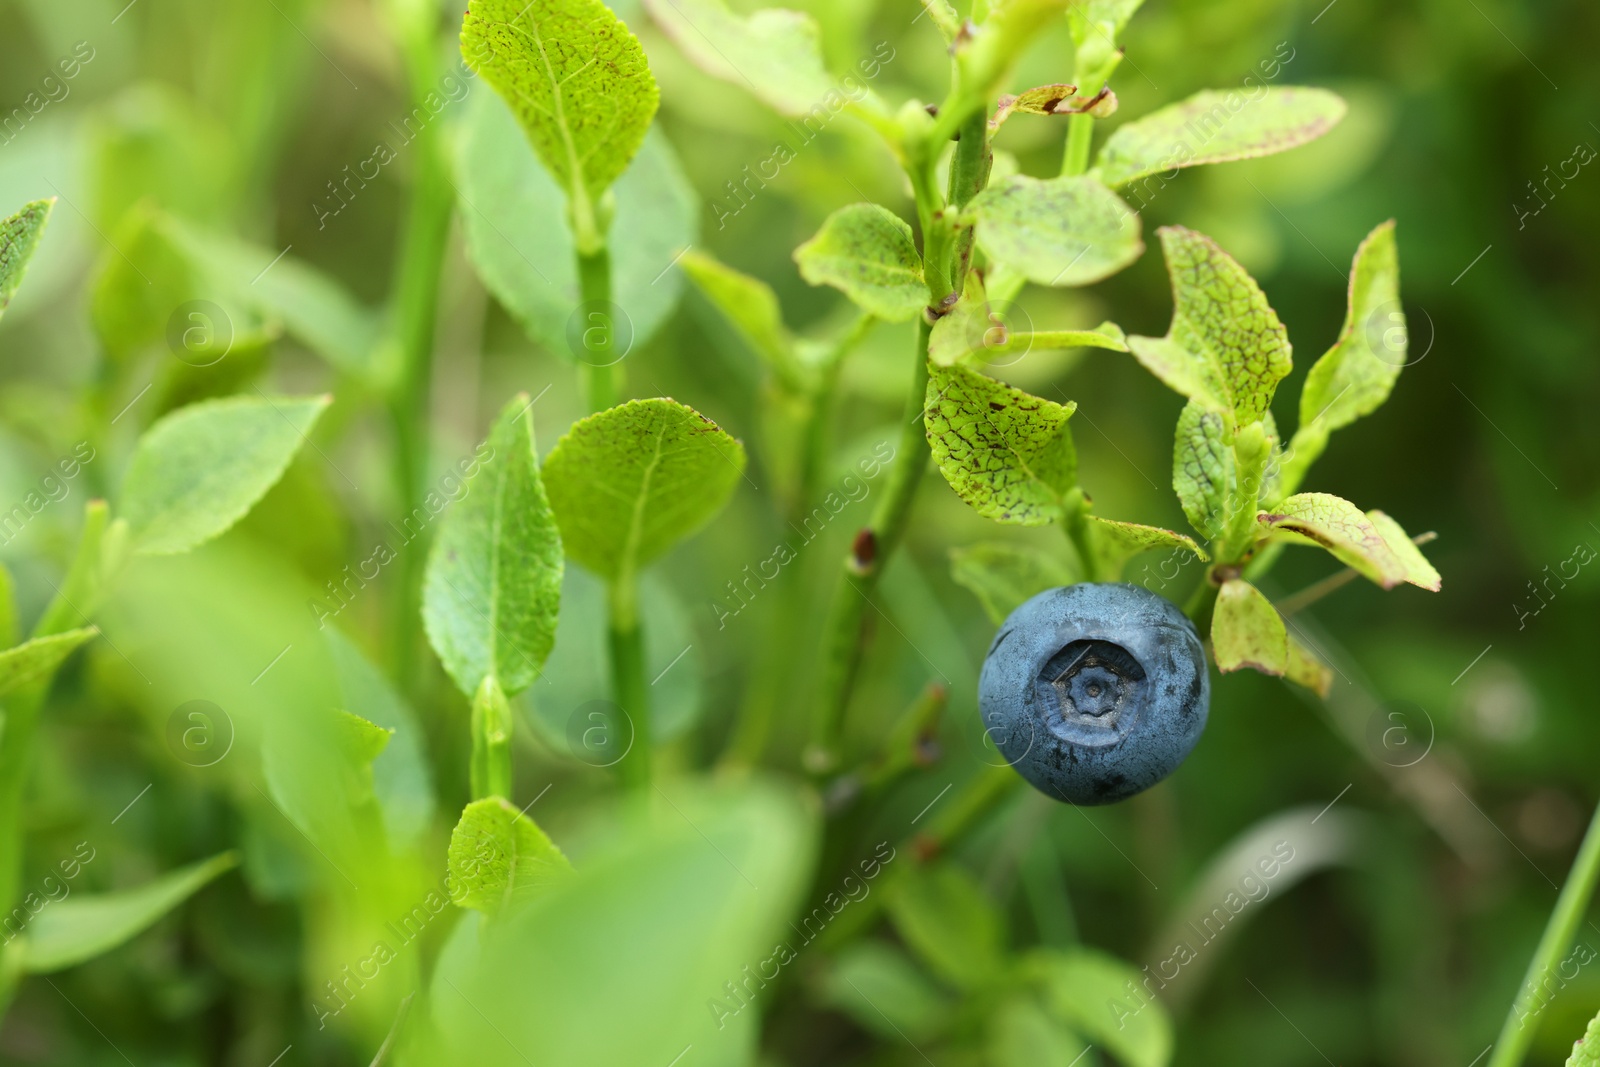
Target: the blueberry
pixel 1094 692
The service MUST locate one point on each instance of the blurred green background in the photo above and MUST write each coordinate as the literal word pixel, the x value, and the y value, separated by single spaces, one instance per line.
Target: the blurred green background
pixel 1454 748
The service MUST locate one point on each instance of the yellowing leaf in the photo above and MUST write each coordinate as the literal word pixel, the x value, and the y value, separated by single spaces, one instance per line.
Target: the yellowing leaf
pixel 1057 231
pixel 1354 539
pixel 1215 126
pixel 1305 668
pixel 1226 347
pixel 629 483
pixel 19 236
pixel 493 584
pixel 774 54
pixel 1356 375
pixel 1006 452
pixel 1418 571
pixel 578 82
pixel 498 856
pixel 1247 631
pixel 866 251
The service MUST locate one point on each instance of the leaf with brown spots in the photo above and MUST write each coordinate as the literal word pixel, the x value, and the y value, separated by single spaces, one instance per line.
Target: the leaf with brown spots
pixel 1373 544
pixel 1225 347
pixel 1006 452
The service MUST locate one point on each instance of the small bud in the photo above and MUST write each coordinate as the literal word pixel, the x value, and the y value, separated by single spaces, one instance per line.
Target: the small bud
pixel 863 550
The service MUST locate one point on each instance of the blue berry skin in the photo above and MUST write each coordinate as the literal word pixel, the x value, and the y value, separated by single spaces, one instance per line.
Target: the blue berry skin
pixel 1095 692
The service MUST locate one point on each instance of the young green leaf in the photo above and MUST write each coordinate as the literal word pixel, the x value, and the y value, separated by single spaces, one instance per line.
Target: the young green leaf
pixel 1088 991
pixel 774 53
pixel 1023 1034
pixel 629 483
pixel 866 251
pixel 197 471
pixel 80 928
pixel 1102 19
pixel 1216 126
pixel 1119 542
pixel 498 856
pixel 985 57
pixel 946 919
pixel 879 987
pixel 1203 470
pixel 1002 575
pixel 1225 347
pixel 1356 375
pixel 401 779
pixel 1359 541
pixel 38 658
pixel 578 82
pixel 1057 231
pixel 493 584
pixel 1247 631
pixel 19 236
pixel 751 306
pixel 514 217
pixel 1006 452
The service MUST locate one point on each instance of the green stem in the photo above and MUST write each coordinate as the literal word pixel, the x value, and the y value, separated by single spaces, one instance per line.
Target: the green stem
pixel 1517 1033
pixel 1080 135
pixel 628 688
pixel 873 546
pixel 819 421
pixel 969 173
pixel 414 306
pixel 491 741
pixel 602 368
pixel 1076 524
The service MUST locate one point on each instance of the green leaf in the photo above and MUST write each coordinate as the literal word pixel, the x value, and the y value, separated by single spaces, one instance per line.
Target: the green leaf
pixel 1586 1050
pixel 19 236
pixel 884 992
pixel 79 928
pixel 866 251
pixel 500 857
pixel 514 216
pixel 966 328
pixel 579 84
pixel 985 58
pixel 1118 542
pixel 493 585
pixel 751 306
pixel 774 53
pixel 197 471
pixel 1225 347
pixel 1247 631
pixel 629 483
pixel 1103 19
pixel 1003 575
pixel 1216 126
pixel 1023 1034
pixel 401 779
pixel 946 919
pixel 689 893
pixel 1356 375
pixel 313 307
pixel 1006 452
pixel 1359 541
pixel 38 659
pixel 1097 996
pixel 1057 231
pixel 1203 469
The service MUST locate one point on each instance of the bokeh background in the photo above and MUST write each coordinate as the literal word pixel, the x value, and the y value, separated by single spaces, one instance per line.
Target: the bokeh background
pixel 1458 751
